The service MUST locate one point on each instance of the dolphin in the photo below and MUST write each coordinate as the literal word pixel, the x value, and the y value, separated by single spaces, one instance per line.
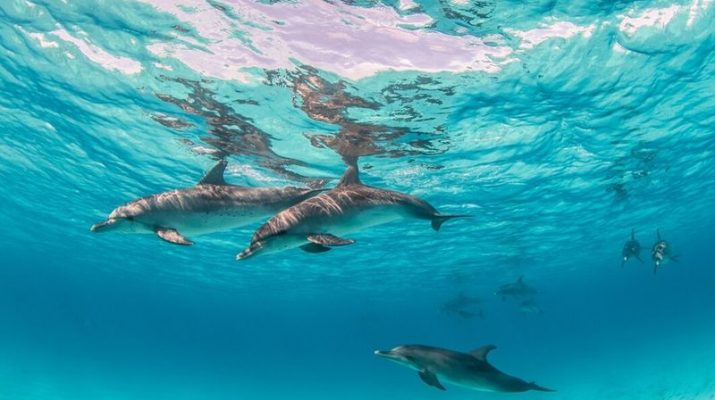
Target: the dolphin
pixel 315 225
pixel 517 290
pixel 210 206
pixel 530 307
pixel 463 306
pixel 661 253
pixel 471 370
pixel 631 249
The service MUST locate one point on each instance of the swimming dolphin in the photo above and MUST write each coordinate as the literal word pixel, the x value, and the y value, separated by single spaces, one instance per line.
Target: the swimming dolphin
pixel 516 290
pixel 210 206
pixel 529 306
pixel 463 306
pixel 661 253
pixel 315 225
pixel 471 370
pixel 631 249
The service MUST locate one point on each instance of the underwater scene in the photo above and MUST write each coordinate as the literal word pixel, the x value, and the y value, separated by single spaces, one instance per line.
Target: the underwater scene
pixel 338 199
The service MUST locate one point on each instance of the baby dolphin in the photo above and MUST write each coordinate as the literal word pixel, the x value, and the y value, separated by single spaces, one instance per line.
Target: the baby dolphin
pixel 516 290
pixel 471 370
pixel 210 206
pixel 315 225
pixel 632 249
pixel 661 253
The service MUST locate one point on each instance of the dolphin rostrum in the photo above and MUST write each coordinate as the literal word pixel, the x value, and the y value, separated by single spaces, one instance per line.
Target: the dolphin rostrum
pixel 471 370
pixel 210 206
pixel 315 225
pixel 631 249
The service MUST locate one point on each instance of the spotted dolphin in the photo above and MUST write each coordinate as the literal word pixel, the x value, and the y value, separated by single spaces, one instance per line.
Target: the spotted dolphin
pixel 661 253
pixel 315 225
pixel 471 370
pixel 631 249
pixel 210 206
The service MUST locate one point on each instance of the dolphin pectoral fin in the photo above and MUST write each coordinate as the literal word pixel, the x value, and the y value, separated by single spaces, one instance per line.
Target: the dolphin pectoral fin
pixel 314 248
pixel 482 352
pixel 326 239
pixel 430 379
pixel 172 236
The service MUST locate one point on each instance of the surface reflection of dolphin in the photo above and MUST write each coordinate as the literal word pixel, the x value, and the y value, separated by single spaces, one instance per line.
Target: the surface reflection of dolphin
pixel 463 306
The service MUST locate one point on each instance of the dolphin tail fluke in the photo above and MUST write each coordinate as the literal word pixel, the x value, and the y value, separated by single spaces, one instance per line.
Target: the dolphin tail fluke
pixel 438 219
pixel 534 386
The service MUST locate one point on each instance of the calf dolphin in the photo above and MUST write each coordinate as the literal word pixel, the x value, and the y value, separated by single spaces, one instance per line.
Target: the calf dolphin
pixel 210 206
pixel 631 249
pixel 471 370
pixel 315 224
pixel 661 253
pixel 516 290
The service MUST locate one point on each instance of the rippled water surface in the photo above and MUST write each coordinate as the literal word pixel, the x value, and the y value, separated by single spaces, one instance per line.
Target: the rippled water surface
pixel 559 126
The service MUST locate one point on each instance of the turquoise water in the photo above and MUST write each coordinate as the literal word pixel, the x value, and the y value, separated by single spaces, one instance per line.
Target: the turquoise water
pixel 558 125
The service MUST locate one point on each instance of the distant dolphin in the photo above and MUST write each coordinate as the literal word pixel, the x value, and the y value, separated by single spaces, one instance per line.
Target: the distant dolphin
pixel 631 249
pixel 661 253
pixel 471 370
pixel 517 290
pixel 463 306
pixel 530 307
pixel 210 206
pixel 315 224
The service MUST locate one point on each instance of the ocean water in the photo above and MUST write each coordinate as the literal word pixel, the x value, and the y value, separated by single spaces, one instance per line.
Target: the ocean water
pixel 560 126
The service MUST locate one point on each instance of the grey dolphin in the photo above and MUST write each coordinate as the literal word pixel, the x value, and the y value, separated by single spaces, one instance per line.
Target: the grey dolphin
pixel 463 306
pixel 661 253
pixel 631 249
pixel 516 290
pixel 210 206
pixel 471 370
pixel 315 224
pixel 529 306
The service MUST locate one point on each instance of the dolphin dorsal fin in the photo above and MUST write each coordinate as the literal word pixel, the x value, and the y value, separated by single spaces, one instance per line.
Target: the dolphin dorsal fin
pixel 350 177
pixel 215 175
pixel 482 352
